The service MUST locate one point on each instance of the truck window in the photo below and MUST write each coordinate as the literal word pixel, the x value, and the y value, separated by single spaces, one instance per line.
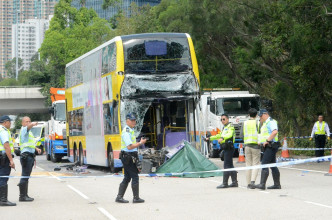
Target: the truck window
pixel 60 112
pixel 236 106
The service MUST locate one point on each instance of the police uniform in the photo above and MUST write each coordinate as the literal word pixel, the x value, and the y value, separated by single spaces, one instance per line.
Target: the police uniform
pixel 252 150
pixel 320 131
pixel 269 155
pixel 27 159
pixel 129 159
pixel 228 136
pixel 5 168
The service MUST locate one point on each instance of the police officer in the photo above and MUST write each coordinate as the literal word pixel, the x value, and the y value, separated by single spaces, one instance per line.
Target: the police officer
pixel 6 159
pixel 252 150
pixel 27 159
pixel 129 158
pixel 268 139
pixel 226 139
pixel 320 131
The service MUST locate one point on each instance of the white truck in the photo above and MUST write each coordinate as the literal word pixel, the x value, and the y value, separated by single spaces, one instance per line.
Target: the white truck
pixel 55 129
pixel 235 104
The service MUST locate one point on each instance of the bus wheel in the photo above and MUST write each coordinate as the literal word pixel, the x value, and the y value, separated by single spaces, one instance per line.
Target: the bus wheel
pixel 80 157
pixel 110 159
pixel 75 154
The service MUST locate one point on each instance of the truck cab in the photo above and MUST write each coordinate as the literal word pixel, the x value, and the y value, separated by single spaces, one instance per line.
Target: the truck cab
pixel 55 129
pixel 235 104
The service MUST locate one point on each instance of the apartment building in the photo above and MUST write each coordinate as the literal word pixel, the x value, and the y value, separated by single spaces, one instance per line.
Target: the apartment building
pixel 17 12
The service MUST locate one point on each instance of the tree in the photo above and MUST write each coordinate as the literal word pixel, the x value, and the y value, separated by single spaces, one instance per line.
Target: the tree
pixel 72 33
pixel 10 67
pixel 110 3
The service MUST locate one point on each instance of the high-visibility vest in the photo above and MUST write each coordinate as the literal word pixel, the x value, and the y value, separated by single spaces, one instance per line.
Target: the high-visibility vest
pixel 265 132
pixel 250 133
pixel 10 141
pixel 132 135
pixel 228 132
pixel 320 130
pixel 30 143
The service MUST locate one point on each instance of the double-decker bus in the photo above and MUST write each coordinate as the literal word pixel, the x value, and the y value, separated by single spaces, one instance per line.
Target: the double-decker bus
pixel 154 75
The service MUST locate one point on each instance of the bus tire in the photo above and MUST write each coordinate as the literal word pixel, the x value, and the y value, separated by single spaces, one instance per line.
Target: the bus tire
pixel 80 157
pixel 75 154
pixel 110 159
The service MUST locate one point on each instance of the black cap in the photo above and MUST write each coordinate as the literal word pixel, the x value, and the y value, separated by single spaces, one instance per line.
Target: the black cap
pixel 4 118
pixel 131 116
pixel 262 111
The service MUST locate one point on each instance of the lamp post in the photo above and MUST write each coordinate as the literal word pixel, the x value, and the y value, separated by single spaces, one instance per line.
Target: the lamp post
pixel 16 44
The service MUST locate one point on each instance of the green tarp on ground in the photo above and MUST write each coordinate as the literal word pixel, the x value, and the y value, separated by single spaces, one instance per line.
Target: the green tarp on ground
pixel 188 159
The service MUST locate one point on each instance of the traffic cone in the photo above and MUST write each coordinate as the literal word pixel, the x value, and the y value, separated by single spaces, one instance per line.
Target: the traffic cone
pixel 330 171
pixel 284 151
pixel 241 155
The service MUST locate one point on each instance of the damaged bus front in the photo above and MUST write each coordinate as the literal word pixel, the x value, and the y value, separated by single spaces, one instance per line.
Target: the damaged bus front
pixel 161 85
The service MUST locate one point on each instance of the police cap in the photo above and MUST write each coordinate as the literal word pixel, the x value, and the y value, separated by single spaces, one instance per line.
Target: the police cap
pixel 131 116
pixel 262 111
pixel 4 118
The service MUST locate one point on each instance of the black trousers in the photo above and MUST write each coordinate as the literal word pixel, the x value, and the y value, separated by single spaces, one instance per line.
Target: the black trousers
pixel 130 170
pixel 228 158
pixel 27 165
pixel 269 156
pixel 4 171
pixel 320 141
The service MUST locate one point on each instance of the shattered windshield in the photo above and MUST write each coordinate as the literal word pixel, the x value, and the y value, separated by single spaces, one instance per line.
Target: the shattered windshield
pixel 236 106
pixel 157 55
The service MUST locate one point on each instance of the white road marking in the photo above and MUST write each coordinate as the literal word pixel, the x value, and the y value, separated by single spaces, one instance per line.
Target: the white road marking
pixel 316 171
pixel 56 177
pixel 261 191
pixel 78 192
pixel 108 215
pixel 39 168
pixel 314 203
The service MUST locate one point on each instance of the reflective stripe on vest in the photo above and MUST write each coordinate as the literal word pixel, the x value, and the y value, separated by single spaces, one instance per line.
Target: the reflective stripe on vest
pixel 265 132
pixel 320 130
pixel 30 143
pixel 250 132
pixel 10 141
pixel 132 135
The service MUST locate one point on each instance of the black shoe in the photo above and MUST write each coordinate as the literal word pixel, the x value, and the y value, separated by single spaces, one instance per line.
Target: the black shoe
pixel 274 187
pixel 264 176
pixel 276 180
pixel 121 200
pixel 24 193
pixel 222 186
pixel 260 186
pixel 4 197
pixel 136 199
pixel 234 179
pixel 122 190
pixel 251 185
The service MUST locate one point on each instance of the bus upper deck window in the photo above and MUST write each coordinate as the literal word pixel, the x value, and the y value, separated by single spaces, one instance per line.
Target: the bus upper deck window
pixel 155 48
